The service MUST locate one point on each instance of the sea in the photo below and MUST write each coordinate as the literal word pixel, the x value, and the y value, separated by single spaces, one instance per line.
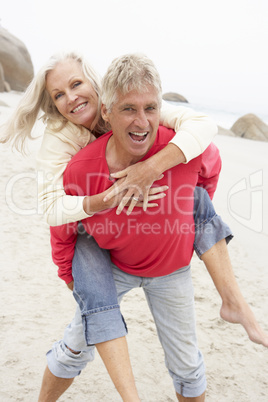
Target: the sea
pixel 222 116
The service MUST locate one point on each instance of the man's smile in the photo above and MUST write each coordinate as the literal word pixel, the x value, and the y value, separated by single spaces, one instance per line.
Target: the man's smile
pixel 138 137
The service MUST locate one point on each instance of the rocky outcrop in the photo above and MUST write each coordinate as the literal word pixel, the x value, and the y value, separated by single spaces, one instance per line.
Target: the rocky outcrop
pixel 252 127
pixel 225 131
pixel 174 97
pixel 17 68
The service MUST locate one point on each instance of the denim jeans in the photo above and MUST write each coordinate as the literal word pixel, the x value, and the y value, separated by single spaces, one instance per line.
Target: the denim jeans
pixel 94 287
pixel 171 301
pixel 99 286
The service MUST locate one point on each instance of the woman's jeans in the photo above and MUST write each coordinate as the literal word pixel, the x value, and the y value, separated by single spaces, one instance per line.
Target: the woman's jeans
pixel 94 286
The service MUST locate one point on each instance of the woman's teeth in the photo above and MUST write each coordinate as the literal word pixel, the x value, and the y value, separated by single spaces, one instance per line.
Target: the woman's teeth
pixel 79 107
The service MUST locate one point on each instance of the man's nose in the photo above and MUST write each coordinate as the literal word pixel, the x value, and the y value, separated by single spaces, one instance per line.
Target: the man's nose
pixel 141 120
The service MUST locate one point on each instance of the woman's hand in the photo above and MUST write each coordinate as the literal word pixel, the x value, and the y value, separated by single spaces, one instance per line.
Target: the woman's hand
pixel 136 182
pixel 117 198
pixel 155 193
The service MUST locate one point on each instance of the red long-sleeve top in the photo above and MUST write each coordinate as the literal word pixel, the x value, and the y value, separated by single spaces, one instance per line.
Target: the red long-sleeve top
pixel 152 243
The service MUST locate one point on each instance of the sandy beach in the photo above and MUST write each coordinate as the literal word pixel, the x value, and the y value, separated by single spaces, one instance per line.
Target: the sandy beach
pixel 37 305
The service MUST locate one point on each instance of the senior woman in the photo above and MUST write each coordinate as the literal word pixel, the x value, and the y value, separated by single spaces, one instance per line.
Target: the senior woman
pixel 67 90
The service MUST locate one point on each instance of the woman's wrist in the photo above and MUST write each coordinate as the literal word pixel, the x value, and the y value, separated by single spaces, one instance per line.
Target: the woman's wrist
pixel 94 203
pixel 165 159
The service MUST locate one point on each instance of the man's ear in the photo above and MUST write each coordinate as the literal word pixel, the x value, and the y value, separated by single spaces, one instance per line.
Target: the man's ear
pixel 104 113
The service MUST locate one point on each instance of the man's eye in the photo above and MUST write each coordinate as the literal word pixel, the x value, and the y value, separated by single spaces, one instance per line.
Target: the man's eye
pixel 128 108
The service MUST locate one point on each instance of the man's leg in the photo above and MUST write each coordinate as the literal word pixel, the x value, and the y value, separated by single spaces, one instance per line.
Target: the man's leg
pixel 211 237
pixel 171 301
pixel 103 324
pixel 70 356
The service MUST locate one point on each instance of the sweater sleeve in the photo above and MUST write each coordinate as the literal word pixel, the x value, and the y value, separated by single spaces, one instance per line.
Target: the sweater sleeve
pixel 56 151
pixel 210 169
pixel 63 240
pixel 194 131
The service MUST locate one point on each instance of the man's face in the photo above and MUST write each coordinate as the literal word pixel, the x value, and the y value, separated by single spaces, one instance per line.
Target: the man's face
pixel 134 120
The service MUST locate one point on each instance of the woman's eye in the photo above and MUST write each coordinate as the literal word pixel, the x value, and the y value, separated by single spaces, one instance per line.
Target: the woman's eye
pixel 77 83
pixel 58 96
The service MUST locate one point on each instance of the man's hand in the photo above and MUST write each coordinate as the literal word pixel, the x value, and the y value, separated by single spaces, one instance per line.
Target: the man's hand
pixel 71 285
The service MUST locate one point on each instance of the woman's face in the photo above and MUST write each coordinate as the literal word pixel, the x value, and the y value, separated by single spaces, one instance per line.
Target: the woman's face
pixel 72 93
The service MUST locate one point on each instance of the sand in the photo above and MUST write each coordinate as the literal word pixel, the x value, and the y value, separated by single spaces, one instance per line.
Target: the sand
pixel 37 305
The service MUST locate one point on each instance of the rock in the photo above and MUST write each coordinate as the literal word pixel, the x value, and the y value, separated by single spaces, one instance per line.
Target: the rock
pixel 2 103
pixel 16 63
pixel 252 127
pixel 2 79
pixel 174 97
pixel 225 131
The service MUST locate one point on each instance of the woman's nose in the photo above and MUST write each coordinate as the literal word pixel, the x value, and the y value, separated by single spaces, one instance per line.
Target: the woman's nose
pixel 71 97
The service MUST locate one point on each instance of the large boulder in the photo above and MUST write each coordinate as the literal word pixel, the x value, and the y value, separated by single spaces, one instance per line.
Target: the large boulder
pixel 252 127
pixel 174 97
pixel 225 131
pixel 16 62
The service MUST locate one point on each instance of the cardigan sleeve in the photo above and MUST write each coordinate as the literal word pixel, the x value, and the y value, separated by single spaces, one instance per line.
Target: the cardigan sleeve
pixel 194 131
pixel 56 151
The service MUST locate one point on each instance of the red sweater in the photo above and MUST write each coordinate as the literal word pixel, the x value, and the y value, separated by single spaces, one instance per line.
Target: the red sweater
pixel 152 243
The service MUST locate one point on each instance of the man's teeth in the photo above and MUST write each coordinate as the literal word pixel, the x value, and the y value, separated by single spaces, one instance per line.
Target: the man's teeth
pixel 79 108
pixel 138 134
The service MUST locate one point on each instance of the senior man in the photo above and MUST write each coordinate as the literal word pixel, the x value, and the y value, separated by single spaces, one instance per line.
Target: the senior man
pixel 150 249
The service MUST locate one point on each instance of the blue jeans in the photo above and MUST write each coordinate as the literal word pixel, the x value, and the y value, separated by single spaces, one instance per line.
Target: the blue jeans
pixel 171 301
pixel 95 282
pixel 94 287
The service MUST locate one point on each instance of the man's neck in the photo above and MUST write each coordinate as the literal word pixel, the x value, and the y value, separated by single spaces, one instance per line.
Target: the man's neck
pixel 117 160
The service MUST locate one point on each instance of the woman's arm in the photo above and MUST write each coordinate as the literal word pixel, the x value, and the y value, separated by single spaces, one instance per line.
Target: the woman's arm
pixel 194 132
pixel 58 208
pixel 56 151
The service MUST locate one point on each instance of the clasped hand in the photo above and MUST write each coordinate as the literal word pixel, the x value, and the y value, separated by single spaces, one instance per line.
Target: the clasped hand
pixel 135 182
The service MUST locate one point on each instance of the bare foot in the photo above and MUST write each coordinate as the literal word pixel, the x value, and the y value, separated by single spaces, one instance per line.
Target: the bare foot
pixel 246 318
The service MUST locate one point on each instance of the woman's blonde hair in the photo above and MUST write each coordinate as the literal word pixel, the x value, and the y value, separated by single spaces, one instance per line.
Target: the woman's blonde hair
pixel 36 99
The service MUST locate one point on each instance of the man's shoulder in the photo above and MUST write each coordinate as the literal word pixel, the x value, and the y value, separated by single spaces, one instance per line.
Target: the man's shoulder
pixel 94 150
pixel 164 135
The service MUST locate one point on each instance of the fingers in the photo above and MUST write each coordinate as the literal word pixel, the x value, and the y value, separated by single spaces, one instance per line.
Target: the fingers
pixel 155 190
pixel 134 200
pixel 131 199
pixel 118 175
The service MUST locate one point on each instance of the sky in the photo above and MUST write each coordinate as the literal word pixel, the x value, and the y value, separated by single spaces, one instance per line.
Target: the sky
pixel 213 52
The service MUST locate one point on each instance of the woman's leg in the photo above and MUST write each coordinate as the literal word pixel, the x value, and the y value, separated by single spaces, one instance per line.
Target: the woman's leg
pixel 103 324
pixel 212 236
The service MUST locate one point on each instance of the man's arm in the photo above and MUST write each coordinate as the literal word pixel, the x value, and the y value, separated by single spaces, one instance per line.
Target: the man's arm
pixel 210 169
pixel 63 239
